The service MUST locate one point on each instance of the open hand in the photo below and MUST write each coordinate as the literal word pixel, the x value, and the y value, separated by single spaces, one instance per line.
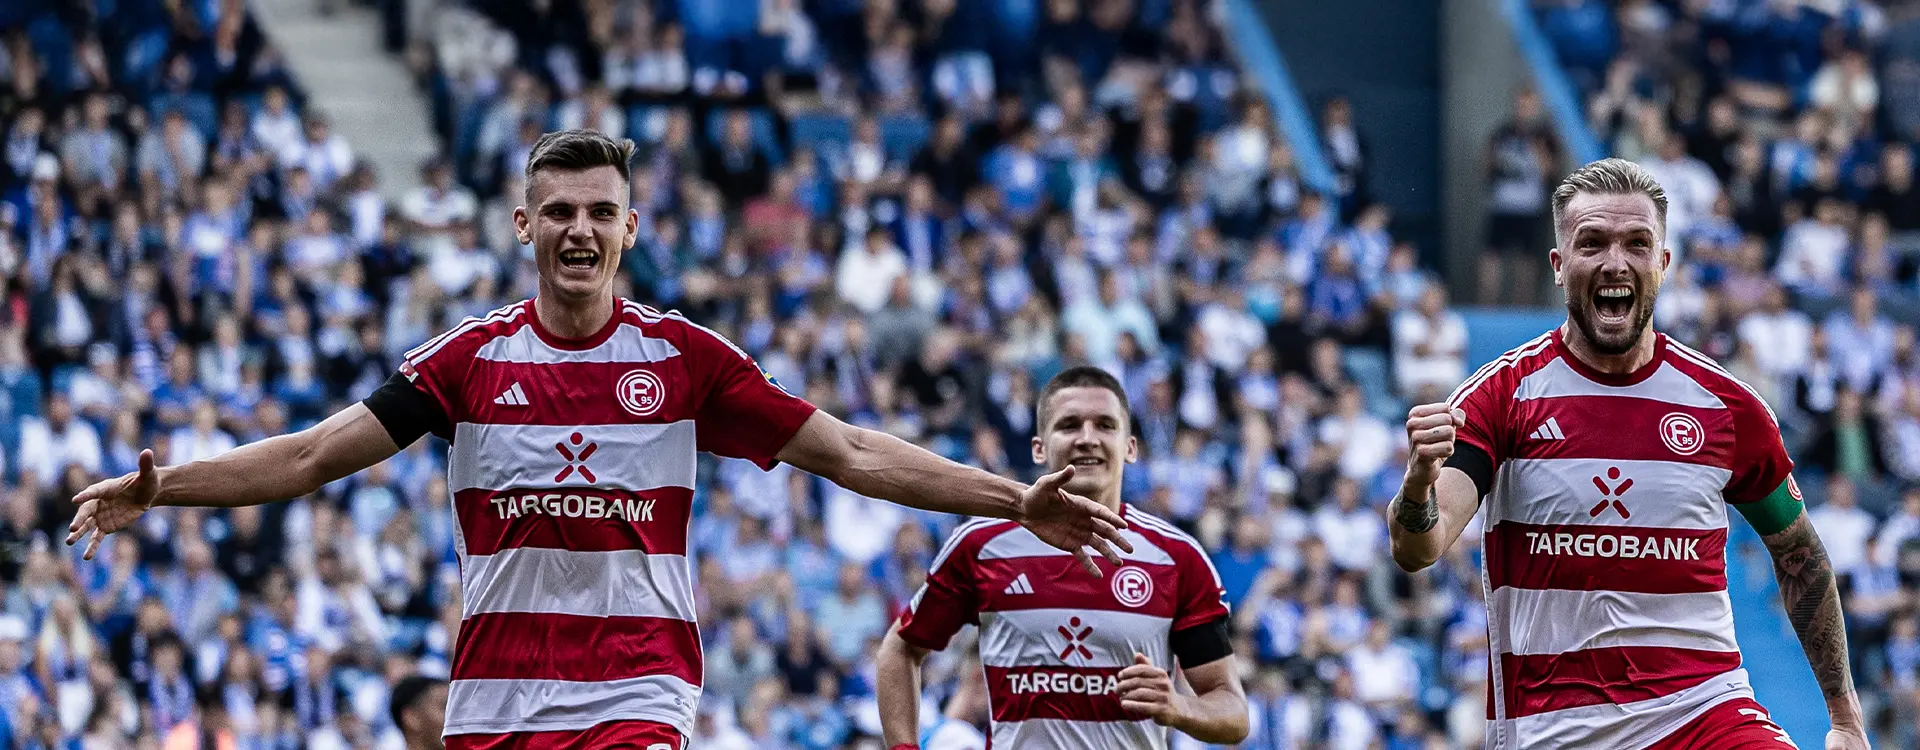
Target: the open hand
pixel 112 504
pixel 1071 522
pixel 1146 690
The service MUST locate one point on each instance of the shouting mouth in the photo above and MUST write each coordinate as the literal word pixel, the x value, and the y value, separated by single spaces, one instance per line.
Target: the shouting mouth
pixel 1613 304
pixel 1088 462
pixel 579 258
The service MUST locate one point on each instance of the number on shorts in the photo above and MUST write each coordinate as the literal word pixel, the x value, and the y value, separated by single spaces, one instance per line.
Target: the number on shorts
pixel 1779 734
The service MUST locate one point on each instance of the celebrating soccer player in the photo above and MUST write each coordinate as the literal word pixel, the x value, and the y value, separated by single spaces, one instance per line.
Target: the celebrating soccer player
pixel 1074 661
pixel 575 418
pixel 1608 455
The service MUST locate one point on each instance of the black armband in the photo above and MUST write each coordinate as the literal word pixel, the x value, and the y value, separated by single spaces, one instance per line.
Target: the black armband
pixel 1475 463
pixel 1205 643
pixel 406 411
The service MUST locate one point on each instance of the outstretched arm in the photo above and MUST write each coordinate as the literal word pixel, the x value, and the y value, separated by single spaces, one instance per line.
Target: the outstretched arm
pixel 280 468
pixel 879 465
pixel 1813 606
pixel 277 468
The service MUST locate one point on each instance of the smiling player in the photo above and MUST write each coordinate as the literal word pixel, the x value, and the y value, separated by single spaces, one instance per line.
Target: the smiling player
pixel 1075 662
pixel 1608 455
pixel 575 418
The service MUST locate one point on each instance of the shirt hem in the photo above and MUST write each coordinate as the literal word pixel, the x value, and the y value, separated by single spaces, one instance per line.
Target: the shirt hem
pixel 677 721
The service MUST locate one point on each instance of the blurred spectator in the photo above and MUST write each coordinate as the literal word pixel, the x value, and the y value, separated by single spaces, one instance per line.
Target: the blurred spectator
pixel 1850 528
pixel 858 615
pixel 1430 343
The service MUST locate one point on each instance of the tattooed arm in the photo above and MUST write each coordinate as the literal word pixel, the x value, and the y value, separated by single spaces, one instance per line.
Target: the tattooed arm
pixel 1813 606
pixel 1436 500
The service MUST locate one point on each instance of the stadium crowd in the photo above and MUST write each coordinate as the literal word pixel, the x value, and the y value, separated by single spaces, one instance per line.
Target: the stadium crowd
pixel 913 212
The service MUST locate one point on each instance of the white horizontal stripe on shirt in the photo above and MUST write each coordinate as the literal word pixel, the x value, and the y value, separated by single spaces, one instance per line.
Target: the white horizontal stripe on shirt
pixel 1031 638
pixel 1617 725
pixel 1665 494
pixel 1557 622
pixel 625 457
pixel 1668 384
pixel 1064 734
pixel 1022 543
pixel 621 583
pixel 501 706
pixel 628 344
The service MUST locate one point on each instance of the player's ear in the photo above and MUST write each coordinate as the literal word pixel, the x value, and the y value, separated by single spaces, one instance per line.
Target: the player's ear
pixel 1666 259
pixel 633 230
pixel 1133 449
pixel 1039 451
pixel 521 225
pixel 1555 259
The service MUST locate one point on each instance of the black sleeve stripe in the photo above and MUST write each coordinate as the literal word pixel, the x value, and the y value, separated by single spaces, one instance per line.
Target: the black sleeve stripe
pixel 1475 463
pixel 406 411
pixel 1205 643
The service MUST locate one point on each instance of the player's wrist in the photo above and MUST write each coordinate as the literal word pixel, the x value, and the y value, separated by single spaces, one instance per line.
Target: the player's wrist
pixel 161 487
pixel 1414 488
pixel 1845 713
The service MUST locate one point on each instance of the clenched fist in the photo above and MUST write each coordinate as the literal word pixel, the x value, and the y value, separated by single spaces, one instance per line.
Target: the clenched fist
pixel 1431 429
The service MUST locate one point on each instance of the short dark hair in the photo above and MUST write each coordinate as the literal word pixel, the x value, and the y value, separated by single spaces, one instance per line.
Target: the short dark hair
pixel 580 149
pixel 406 693
pixel 1080 376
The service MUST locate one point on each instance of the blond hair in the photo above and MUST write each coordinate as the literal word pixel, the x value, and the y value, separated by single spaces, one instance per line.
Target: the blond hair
pixel 1610 176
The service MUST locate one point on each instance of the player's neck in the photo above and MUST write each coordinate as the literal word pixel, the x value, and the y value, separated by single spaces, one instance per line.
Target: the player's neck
pixel 1624 363
pixel 573 319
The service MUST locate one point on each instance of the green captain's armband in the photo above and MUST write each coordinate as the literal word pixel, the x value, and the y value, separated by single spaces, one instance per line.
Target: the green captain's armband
pixel 1775 512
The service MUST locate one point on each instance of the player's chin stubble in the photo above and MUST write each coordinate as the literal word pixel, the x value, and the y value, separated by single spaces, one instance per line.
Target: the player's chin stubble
pixel 1580 311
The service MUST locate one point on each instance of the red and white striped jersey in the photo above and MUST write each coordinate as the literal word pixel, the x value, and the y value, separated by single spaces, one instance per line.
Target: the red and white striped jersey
pixel 1606 539
pixel 1053 637
pixel 572 475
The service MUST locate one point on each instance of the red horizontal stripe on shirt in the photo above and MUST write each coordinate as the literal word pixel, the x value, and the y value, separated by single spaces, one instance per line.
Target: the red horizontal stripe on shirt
pixel 1058 582
pixel 1070 693
pixel 577 393
pixel 544 646
pixel 493 520
pixel 633 734
pixel 1580 557
pixel 1540 683
pixel 1619 428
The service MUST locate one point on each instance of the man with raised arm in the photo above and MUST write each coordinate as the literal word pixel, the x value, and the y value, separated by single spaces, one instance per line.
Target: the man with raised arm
pixel 1608 456
pixel 574 419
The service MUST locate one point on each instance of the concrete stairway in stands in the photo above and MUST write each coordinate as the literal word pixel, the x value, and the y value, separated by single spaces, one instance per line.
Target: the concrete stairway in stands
pixel 367 93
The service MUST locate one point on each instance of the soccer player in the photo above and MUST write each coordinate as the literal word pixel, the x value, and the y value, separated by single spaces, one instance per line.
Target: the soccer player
pixel 574 419
pixel 1074 661
pixel 1608 456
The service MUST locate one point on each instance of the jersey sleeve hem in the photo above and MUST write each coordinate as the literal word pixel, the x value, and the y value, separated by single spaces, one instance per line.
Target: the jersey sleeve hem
pixel 784 424
pixel 917 640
